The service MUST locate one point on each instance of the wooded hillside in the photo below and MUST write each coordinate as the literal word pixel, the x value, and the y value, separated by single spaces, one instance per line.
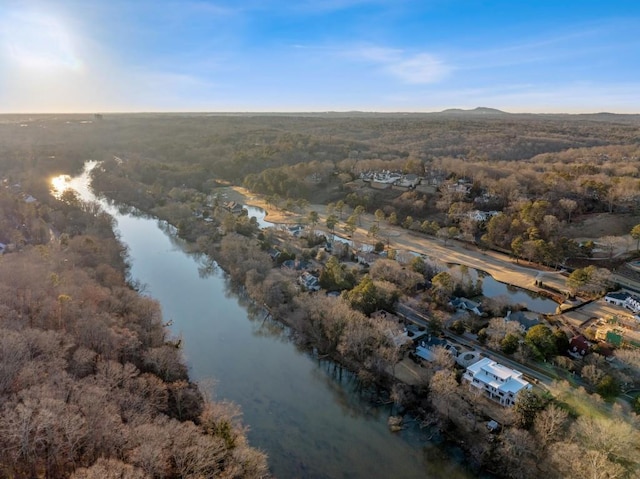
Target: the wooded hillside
pixel 91 386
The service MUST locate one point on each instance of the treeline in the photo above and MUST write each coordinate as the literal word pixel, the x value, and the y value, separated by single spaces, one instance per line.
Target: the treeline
pixel 91 385
pixel 572 166
pixel 544 435
pixel 232 147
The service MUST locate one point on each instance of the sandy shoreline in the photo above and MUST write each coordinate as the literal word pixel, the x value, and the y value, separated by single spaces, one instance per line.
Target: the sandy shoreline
pixel 245 197
pixel 501 267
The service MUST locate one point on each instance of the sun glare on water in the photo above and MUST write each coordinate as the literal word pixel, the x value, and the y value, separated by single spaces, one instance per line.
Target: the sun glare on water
pixel 59 184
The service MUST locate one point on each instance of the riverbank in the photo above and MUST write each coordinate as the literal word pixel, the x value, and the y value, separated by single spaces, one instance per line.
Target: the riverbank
pixel 456 413
pixel 501 267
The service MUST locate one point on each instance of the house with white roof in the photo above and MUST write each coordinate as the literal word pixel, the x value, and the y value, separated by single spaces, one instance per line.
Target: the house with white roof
pixel 500 383
pixel 409 181
pixel 482 216
pixel 633 303
pixel 625 300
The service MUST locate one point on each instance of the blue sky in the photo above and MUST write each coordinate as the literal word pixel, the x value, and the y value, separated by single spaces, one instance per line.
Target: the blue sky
pixel 287 55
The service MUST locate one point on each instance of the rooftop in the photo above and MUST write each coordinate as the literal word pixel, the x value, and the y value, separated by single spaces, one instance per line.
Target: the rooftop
pixel 486 369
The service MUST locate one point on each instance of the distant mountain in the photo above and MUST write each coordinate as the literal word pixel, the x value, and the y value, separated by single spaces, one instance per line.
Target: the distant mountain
pixel 481 110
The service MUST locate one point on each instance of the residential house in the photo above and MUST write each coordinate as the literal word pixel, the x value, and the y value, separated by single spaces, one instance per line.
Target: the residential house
pixel 464 304
pixel 527 319
pixel 625 300
pixel 618 298
pixel 579 346
pixel 633 303
pixel 415 333
pixel 233 207
pixel 462 187
pixel 366 257
pixel 386 176
pixel 493 425
pixel 500 383
pixel 274 253
pixel 409 181
pixel 427 344
pixel 309 281
pixel 485 198
pixel 394 329
pixel 295 230
pixel 434 177
pixel 482 216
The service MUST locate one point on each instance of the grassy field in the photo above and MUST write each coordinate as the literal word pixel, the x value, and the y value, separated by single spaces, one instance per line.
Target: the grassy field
pixel 579 402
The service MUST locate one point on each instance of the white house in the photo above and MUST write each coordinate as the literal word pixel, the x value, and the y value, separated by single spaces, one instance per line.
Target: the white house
pixel 617 298
pixel 482 216
pixel 633 303
pixel 625 300
pixel 499 382
pixel 409 181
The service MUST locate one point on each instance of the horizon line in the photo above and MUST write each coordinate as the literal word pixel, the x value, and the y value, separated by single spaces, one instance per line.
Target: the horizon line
pixel 477 110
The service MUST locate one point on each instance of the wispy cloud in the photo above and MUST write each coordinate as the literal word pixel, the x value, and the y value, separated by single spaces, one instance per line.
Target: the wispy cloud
pixel 35 40
pixel 421 68
pixel 411 68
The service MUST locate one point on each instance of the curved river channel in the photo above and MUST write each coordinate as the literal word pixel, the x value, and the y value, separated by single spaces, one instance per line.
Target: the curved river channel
pixel 312 421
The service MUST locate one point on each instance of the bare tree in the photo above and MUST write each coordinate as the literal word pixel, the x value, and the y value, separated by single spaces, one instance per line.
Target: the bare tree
pixel 442 387
pixel 442 358
pixel 569 457
pixel 615 438
pixel 109 469
pixel 592 374
pixel 519 454
pixel 568 206
pixel 549 424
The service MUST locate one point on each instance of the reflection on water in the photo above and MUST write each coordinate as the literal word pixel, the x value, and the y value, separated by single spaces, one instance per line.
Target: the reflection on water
pixel 259 214
pixel 314 419
pixel 492 289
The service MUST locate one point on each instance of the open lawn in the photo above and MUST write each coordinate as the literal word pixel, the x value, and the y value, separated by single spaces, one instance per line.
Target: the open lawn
pixel 578 401
pixel 597 225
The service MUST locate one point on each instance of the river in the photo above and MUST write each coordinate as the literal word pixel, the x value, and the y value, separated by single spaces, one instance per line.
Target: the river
pixel 311 421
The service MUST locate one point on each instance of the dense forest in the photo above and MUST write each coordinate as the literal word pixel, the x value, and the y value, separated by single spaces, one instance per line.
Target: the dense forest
pixel 538 173
pixel 541 172
pixel 91 384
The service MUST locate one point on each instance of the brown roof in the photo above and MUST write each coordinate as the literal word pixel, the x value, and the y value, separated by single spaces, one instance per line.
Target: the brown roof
pixel 578 344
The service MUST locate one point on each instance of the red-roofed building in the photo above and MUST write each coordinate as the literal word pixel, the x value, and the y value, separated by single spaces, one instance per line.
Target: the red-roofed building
pixel 579 346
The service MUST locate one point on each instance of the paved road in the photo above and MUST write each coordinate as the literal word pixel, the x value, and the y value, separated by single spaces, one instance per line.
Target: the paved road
pixel 420 319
